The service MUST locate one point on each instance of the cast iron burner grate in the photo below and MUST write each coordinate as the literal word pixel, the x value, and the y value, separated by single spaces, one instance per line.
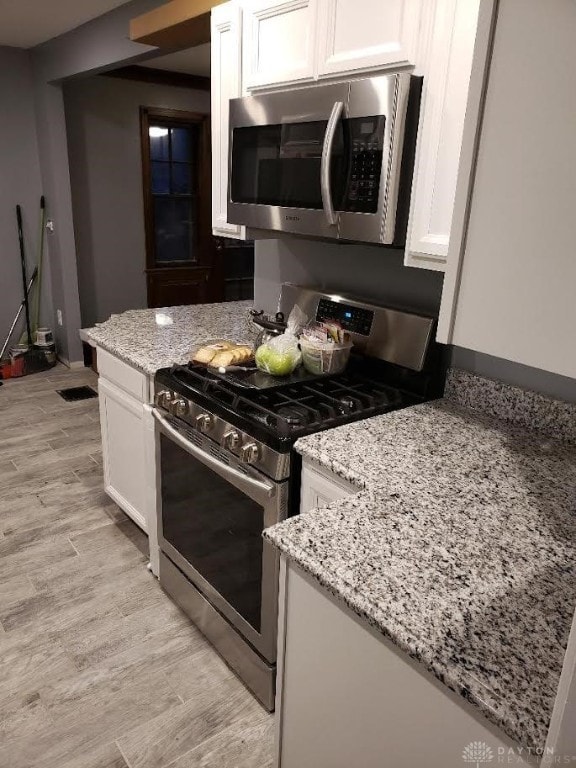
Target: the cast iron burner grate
pixel 291 409
pixel 77 393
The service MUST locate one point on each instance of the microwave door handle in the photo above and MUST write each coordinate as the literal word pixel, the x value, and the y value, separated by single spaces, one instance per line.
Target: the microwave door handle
pixel 325 162
pixel 210 461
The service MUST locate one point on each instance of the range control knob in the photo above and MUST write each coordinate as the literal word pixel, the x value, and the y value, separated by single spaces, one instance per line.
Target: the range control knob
pixel 204 422
pixel 163 398
pixel 179 407
pixel 231 439
pixel 250 453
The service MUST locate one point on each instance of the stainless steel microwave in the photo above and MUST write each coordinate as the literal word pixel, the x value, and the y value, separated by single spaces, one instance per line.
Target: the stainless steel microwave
pixel 331 161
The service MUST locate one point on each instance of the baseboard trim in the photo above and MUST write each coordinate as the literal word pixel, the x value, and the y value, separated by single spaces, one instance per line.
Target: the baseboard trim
pixel 74 365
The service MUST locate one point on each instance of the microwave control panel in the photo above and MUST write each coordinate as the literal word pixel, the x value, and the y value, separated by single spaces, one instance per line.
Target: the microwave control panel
pixel 353 319
pixel 366 137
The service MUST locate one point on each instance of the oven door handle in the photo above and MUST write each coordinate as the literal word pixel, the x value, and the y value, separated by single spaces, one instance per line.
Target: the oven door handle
pixel 325 190
pixel 210 461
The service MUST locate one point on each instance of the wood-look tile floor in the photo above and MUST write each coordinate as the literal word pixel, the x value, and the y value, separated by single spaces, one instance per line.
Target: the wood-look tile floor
pixel 98 668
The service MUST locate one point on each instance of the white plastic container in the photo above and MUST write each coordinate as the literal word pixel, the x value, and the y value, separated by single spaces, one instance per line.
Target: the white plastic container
pixel 327 358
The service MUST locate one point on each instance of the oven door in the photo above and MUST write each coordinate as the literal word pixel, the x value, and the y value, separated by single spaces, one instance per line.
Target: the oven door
pixel 212 514
pixel 287 164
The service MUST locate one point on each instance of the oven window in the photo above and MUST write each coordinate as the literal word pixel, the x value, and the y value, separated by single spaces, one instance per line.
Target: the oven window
pixel 280 164
pixel 215 527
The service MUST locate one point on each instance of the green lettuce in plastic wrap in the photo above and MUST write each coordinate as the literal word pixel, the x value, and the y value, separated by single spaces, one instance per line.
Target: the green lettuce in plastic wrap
pixel 281 355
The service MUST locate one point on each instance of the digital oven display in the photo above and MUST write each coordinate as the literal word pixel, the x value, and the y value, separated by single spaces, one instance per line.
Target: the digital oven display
pixel 353 319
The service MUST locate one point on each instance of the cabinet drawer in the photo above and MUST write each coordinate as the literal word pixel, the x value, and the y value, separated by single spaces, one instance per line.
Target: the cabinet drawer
pixel 123 375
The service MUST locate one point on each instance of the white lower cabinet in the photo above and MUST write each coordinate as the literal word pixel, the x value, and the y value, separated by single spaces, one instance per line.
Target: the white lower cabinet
pixel 348 697
pixel 319 488
pixel 123 448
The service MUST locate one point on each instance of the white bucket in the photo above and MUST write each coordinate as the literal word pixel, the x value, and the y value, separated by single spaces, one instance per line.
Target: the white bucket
pixel 44 337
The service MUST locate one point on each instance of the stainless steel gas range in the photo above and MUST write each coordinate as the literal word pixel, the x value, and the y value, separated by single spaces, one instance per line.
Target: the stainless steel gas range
pixel 228 470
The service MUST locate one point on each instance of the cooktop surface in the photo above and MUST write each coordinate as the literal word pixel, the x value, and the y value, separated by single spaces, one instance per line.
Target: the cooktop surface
pixel 288 408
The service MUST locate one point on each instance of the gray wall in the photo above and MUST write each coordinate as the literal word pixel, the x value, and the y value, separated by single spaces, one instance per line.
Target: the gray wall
pixel 96 45
pixel 378 273
pixel 19 183
pixel 103 124
pixel 100 44
pixel 371 272
pixel 61 249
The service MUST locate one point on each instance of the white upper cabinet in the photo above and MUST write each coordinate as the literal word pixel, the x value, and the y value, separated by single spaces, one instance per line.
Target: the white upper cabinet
pixel 294 41
pixel 511 292
pixel 226 76
pixel 366 35
pixel 446 64
pixel 279 42
pixel 289 43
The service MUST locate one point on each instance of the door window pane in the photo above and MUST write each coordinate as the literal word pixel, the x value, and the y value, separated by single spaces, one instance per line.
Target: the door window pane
pixel 181 179
pixel 173 191
pixel 159 142
pixel 160 178
pixel 174 229
pixel 181 141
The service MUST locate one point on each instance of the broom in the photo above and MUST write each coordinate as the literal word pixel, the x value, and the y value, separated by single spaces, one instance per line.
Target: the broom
pixel 34 358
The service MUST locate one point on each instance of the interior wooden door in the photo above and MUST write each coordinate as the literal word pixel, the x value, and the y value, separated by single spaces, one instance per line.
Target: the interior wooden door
pixel 183 265
pixel 175 286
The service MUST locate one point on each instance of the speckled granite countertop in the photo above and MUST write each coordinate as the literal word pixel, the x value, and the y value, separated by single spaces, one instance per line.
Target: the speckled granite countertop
pixel 460 545
pixel 139 339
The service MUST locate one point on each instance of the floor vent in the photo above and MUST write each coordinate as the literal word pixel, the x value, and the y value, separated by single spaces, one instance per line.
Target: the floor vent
pixel 77 393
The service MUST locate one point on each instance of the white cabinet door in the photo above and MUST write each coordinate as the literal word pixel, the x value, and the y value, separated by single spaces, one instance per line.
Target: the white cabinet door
pixel 447 66
pixel 226 77
pixel 279 38
pixel 319 489
pixel 121 421
pixel 348 698
pixel 512 294
pixel 365 35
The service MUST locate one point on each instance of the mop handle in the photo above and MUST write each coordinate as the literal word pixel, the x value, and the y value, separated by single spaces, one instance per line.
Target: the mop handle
pixel 15 321
pixel 24 278
pixel 38 297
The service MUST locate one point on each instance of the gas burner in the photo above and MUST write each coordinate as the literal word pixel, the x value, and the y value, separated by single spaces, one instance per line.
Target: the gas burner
pixel 348 404
pixel 293 415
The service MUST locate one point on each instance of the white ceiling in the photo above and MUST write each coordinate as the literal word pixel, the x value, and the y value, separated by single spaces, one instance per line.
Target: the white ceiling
pixel 193 61
pixel 26 23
